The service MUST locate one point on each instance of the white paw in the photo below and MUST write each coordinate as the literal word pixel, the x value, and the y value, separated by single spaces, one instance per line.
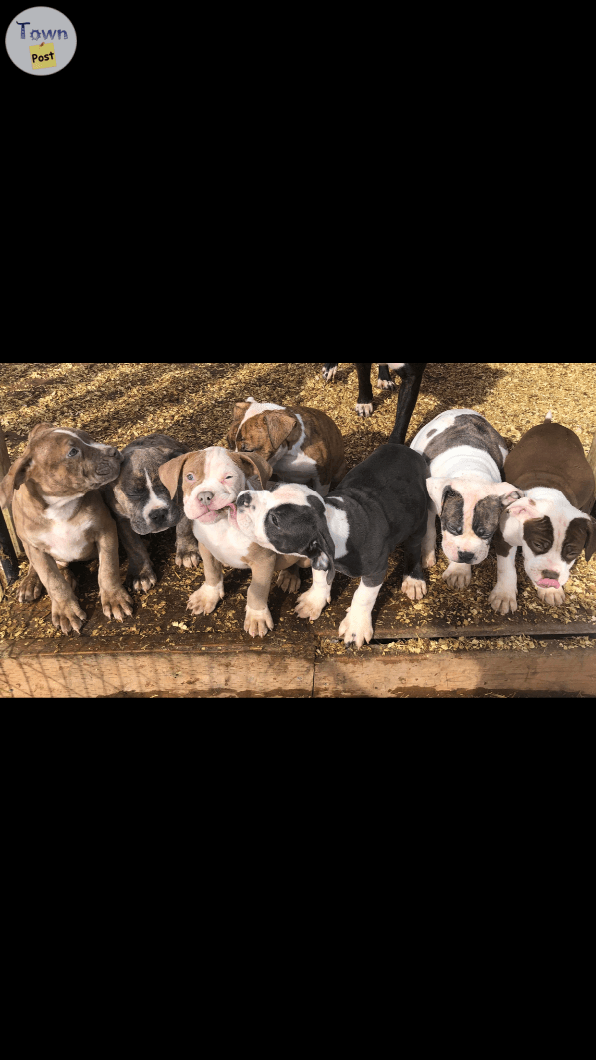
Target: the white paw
pixel 206 599
pixel 386 384
pixel 364 410
pixel 311 604
pixel 329 374
pixel 429 559
pixel 503 600
pixel 458 575
pixel 551 597
pixel 258 623
pixel 357 627
pixel 144 581
pixel 414 588
pixel 188 558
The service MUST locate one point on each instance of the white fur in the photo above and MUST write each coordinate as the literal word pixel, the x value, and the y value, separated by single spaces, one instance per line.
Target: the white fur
pixel 154 501
pixel 92 445
pixel 63 539
pixel 357 626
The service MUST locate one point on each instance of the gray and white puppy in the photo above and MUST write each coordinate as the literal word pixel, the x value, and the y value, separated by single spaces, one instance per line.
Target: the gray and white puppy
pixel 465 457
pixel 142 505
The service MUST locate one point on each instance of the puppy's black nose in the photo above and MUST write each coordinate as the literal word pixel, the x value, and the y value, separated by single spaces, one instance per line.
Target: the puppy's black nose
pixel 206 498
pixel 552 575
pixel 244 500
pixel 158 516
pixel 466 557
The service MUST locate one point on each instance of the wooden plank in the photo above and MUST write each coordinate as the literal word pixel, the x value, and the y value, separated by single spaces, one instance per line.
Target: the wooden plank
pixel 6 513
pixel 550 669
pixel 79 670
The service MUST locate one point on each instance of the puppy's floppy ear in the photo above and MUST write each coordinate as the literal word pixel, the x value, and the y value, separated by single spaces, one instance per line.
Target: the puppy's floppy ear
pixel 39 427
pixel 523 509
pixel 239 412
pixel 509 494
pixel 253 466
pixel 436 488
pixel 591 539
pixel 170 473
pixel 15 478
pixel 321 548
pixel 279 426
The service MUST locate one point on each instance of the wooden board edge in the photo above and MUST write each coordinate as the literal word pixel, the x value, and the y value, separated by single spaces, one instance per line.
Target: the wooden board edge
pixel 550 669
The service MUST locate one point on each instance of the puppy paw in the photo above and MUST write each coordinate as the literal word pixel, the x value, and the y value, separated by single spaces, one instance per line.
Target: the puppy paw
pixel 30 589
pixel 458 575
pixel 386 384
pixel 289 580
pixel 68 615
pixel 142 580
pixel 357 627
pixel 503 600
pixel 116 603
pixel 415 588
pixel 329 374
pixel 364 410
pixel 429 559
pixel 206 599
pixel 188 557
pixel 311 604
pixel 551 597
pixel 258 623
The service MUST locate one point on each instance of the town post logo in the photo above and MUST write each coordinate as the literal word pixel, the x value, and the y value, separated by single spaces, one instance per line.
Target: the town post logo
pixel 41 41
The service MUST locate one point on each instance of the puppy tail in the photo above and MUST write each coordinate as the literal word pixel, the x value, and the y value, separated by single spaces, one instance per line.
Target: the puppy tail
pixel 549 417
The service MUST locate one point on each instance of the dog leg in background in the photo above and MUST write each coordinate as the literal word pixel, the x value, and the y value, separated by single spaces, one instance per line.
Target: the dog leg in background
pixel 429 543
pixel 385 382
pixel 187 550
pixel 408 396
pixel 330 371
pixel 364 406
pixel 357 626
pixel 503 598
pixel 206 599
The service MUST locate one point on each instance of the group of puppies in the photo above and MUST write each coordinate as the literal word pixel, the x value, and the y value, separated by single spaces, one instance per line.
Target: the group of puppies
pixel 281 498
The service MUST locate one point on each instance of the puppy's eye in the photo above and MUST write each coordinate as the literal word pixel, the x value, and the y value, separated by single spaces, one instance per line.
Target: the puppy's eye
pixel 74 452
pixel 190 477
pixel 229 476
pixel 275 520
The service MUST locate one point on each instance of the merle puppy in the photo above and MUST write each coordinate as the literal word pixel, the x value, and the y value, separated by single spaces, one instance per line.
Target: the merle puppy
pixel 411 375
pixel 379 505
pixel 142 505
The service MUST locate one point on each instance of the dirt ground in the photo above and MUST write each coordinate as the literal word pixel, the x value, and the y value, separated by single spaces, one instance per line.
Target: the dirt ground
pixel 193 402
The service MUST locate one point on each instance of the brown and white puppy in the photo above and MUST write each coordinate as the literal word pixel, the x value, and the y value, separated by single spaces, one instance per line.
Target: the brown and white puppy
pixel 551 523
pixel 211 481
pixel 60 516
pixel 142 506
pixel 301 445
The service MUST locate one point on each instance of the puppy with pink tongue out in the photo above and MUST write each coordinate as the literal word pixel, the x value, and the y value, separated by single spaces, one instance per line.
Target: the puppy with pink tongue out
pixel 210 481
pixel 551 523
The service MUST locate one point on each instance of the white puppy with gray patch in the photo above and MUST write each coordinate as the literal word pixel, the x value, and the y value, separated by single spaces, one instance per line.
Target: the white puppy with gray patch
pixel 465 457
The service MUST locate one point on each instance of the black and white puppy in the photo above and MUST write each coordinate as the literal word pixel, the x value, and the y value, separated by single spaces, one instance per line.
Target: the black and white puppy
pixel 379 505
pixel 465 456
pixel 142 505
pixel 410 373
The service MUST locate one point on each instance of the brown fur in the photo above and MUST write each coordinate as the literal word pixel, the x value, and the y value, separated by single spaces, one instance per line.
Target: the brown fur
pixel 264 434
pixel 553 457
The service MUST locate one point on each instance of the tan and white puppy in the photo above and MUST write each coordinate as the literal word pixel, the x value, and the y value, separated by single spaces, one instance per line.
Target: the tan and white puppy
pixel 60 517
pixel 465 455
pixel 210 481
pixel 300 444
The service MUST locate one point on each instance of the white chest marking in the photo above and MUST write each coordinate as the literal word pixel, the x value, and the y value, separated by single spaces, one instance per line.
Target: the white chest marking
pixel 224 541
pixel 65 540
pixel 339 528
